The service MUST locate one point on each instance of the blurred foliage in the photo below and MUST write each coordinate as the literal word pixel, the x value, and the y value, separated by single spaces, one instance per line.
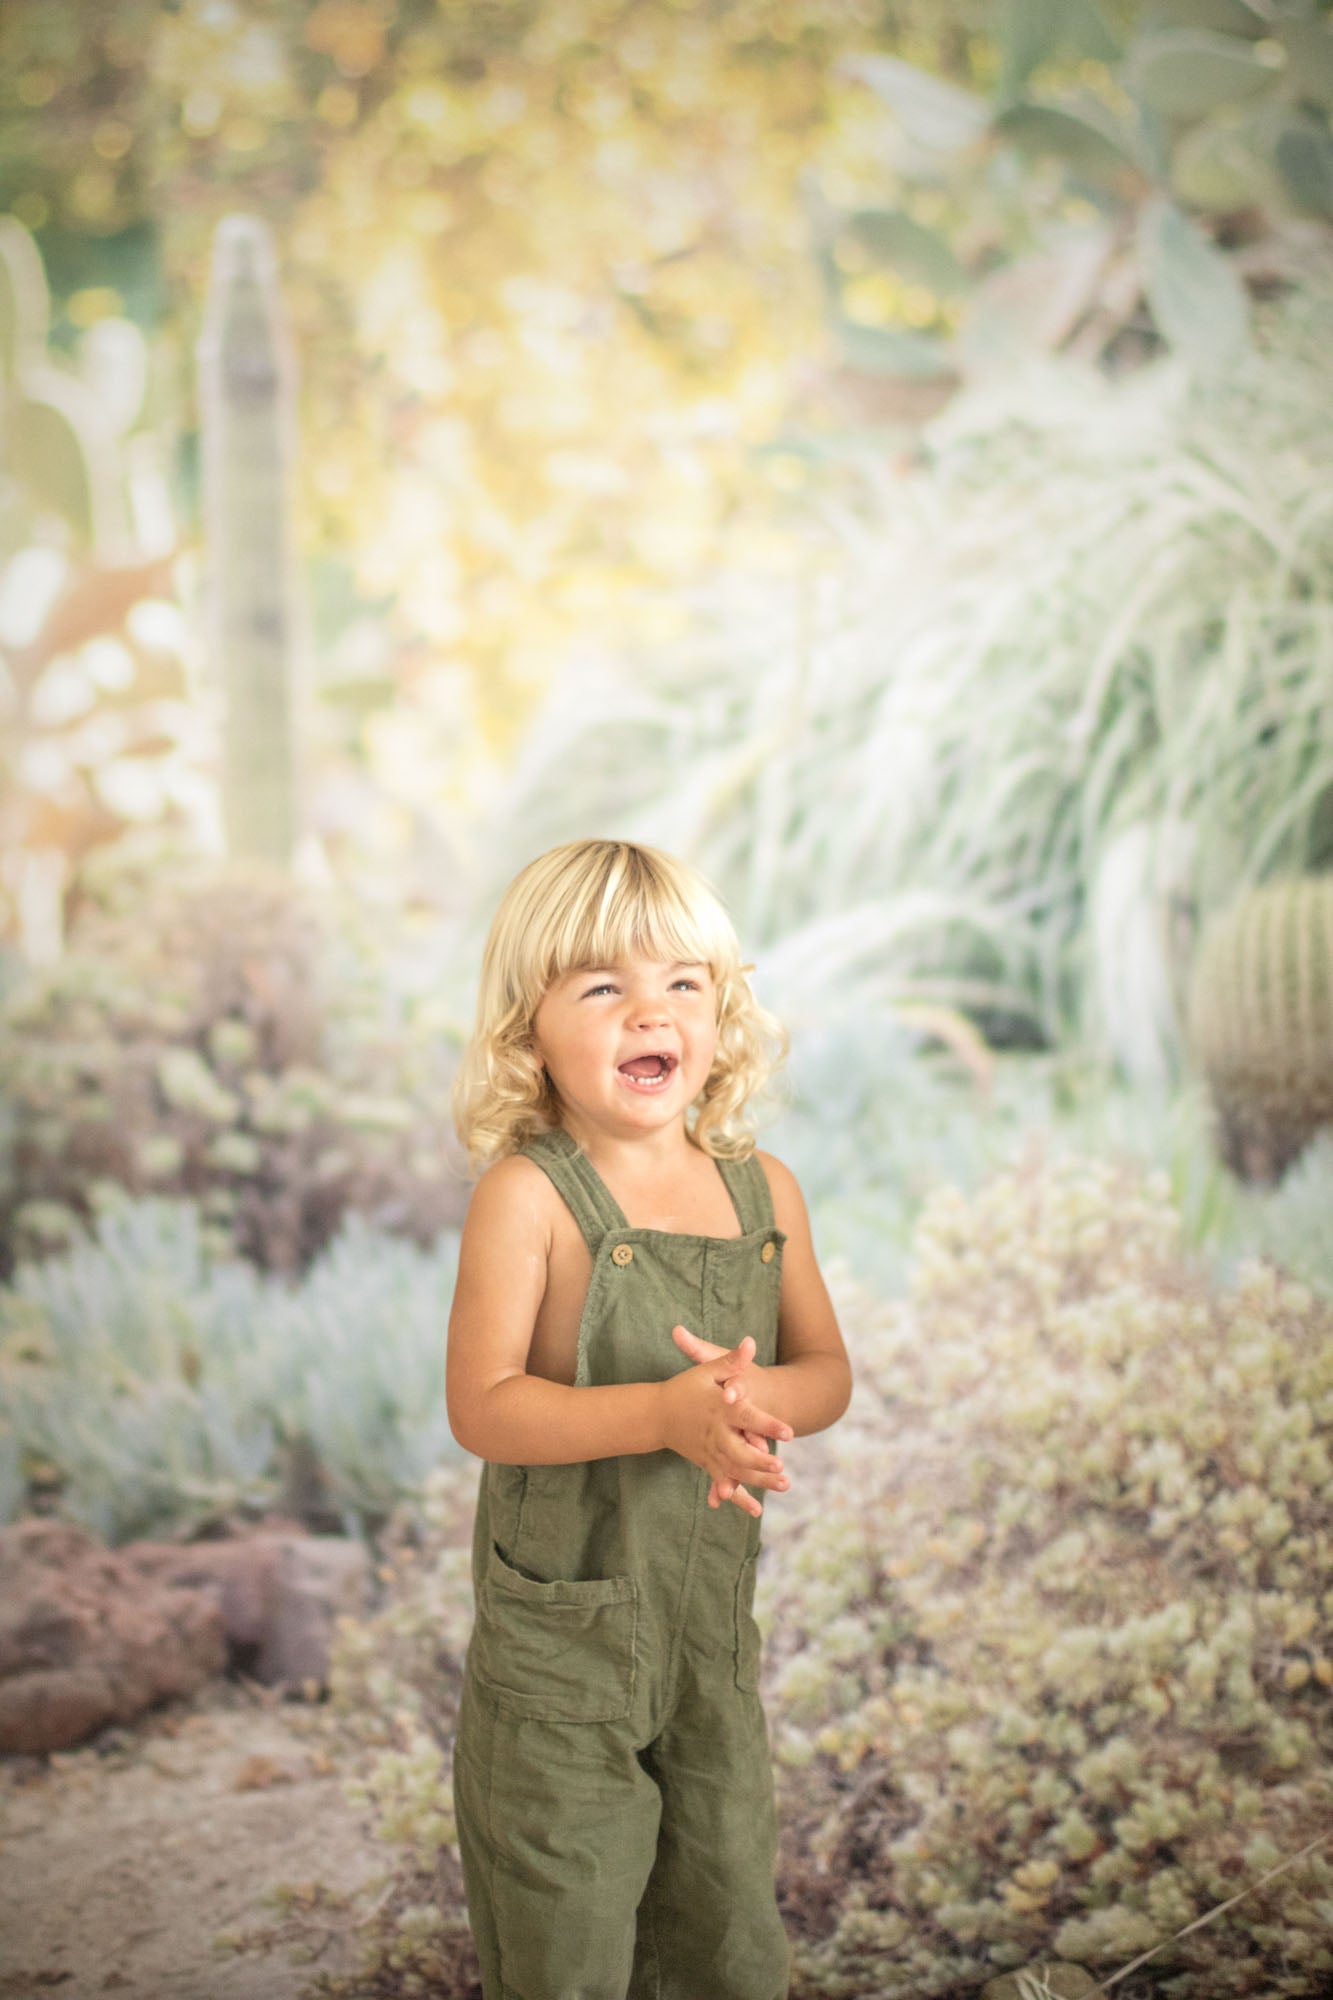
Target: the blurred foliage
pixel 1069 693
pixel 152 1388
pixel 219 1033
pixel 1121 188
pixel 545 264
pixel 595 298
pixel 93 678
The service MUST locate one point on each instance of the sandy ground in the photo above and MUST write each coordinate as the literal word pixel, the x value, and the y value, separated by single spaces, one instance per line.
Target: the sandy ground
pixel 138 1863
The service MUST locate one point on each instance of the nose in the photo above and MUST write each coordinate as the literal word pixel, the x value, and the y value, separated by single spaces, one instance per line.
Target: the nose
pixel 648 1009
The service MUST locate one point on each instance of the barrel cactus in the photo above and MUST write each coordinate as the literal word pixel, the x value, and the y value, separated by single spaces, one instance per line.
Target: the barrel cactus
pixel 1261 1022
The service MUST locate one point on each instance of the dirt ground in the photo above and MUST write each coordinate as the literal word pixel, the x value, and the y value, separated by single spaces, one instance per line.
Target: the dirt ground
pixel 140 1864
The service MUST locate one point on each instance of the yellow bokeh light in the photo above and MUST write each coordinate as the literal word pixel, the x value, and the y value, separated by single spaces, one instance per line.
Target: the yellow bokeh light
pixel 337 105
pixel 112 139
pixel 35 87
pixel 93 303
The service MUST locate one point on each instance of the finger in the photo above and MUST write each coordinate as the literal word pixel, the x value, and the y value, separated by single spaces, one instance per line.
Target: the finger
pixel 695 1349
pixel 751 1419
pixel 738 1358
pixel 748 1502
pixel 767 1473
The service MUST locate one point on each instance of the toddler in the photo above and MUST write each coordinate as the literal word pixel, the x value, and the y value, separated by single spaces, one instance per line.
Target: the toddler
pixel 638 1319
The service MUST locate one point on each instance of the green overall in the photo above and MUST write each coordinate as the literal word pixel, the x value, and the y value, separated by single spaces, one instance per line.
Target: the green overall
pixel 612 1782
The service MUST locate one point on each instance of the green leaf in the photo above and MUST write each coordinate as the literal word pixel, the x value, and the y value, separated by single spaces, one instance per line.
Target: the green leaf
pixel 1226 162
pixel 1033 31
pixel 1224 17
pixel 1305 161
pixel 24 301
pixel 49 449
pixel 1309 46
pixel 1082 133
pixel 936 114
pixel 1032 304
pixel 1186 73
pixel 889 350
pixel 1197 300
pixel 919 254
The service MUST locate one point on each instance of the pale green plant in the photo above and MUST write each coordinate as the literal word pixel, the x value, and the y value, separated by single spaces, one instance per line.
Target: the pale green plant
pixel 156 1388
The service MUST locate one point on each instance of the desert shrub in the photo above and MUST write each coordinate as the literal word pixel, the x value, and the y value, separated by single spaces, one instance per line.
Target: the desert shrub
pixel 150 1388
pixel 1052 1622
pixel 210 1032
pixel 872 1123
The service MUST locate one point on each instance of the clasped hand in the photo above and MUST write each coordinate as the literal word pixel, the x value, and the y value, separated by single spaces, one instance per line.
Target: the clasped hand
pixel 710 1421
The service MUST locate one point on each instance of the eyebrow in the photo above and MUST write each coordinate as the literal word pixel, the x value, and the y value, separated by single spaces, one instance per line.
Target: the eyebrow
pixel 681 965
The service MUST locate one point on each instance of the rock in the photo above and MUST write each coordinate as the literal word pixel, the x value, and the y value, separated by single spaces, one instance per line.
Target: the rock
pixel 279 1592
pixel 1056 1980
pixel 84 1641
pixel 91 1636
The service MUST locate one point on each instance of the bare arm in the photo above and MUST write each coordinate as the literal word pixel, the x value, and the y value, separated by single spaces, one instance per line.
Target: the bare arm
pixel 500 1412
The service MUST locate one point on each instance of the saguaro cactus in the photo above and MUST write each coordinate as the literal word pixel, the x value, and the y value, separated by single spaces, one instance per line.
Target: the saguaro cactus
pixel 1261 1022
pixel 247 396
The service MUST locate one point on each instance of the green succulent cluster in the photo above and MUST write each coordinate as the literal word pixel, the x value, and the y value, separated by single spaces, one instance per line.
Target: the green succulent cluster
pixel 148 1389
pixel 1052 1621
pixel 209 1032
pixel 1261 1022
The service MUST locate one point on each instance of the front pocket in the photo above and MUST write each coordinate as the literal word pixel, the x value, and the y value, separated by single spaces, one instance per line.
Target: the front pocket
pixel 557 1652
pixel 747 1632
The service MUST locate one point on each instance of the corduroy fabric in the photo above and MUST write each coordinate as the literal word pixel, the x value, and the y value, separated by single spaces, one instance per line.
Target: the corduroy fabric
pixel 612 1782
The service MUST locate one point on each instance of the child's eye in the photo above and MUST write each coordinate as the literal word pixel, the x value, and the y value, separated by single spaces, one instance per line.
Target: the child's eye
pixel 693 984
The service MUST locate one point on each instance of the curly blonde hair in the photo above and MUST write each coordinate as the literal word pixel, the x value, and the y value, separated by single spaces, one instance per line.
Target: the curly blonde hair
pixel 594 902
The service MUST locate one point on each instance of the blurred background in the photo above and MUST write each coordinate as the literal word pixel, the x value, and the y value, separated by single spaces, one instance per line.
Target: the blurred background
pixel 878 450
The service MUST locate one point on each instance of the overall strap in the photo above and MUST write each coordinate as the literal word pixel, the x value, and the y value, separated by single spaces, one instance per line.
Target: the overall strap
pixel 748 1186
pixel 578 1183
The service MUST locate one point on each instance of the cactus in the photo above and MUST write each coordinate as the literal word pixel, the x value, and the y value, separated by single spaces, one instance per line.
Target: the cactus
pixel 246 381
pixel 54 438
pixel 1261 1022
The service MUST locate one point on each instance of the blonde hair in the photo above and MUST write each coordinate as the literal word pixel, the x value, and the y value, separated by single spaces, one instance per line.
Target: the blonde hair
pixel 595 902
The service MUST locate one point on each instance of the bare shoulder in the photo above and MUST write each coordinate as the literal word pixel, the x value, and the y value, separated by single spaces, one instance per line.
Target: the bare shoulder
pixel 512 1203
pixel 789 1210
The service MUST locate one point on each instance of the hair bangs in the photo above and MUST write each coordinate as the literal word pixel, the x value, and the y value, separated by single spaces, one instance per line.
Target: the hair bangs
pixel 636 909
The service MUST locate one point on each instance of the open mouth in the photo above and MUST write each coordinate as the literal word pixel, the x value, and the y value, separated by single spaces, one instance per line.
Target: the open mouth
pixel 649 1073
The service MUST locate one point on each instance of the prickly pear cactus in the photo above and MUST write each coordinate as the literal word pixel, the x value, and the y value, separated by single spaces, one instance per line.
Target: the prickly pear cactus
pixel 1261 1022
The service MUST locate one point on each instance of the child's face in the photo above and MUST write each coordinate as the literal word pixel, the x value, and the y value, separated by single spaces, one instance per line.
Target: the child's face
pixel 593 1023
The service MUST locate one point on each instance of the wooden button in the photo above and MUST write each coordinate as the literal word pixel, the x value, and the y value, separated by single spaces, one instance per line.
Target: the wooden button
pixel 767 1252
pixel 622 1254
